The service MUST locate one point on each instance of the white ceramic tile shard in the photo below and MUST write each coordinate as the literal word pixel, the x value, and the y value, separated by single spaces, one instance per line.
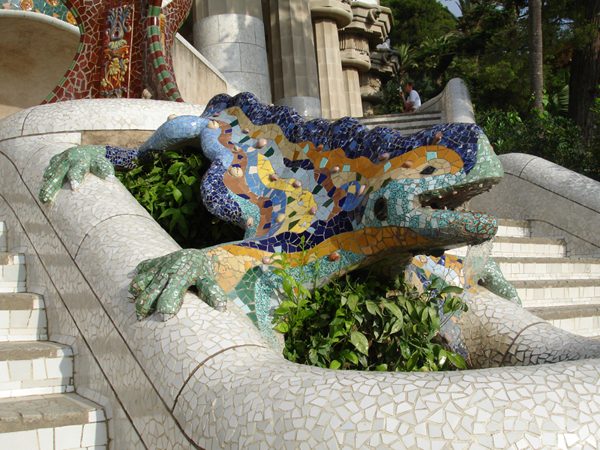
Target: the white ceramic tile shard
pixel 226 388
pixel 3 237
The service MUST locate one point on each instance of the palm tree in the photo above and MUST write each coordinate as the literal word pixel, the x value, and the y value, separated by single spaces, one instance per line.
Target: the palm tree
pixel 536 54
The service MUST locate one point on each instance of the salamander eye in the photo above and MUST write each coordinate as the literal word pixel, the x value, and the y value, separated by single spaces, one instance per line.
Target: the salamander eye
pixel 428 170
pixel 381 209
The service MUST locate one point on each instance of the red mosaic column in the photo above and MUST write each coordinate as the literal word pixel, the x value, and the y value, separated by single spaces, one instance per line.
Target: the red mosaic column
pixel 121 50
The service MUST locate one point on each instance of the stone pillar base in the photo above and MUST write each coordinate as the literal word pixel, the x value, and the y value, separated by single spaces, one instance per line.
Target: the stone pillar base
pixel 235 45
pixel 308 107
pixel 352 88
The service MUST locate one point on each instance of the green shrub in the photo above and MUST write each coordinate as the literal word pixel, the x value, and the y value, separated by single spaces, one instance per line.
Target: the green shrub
pixel 357 322
pixel 168 186
pixel 554 138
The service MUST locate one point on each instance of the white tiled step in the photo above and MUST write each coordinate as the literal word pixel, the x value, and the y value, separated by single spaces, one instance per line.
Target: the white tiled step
pixel 3 238
pixel 35 368
pixel 583 320
pixel 523 247
pixel 523 269
pixel 22 317
pixel 513 228
pixel 12 272
pixel 52 422
pixel 558 292
pixel 404 123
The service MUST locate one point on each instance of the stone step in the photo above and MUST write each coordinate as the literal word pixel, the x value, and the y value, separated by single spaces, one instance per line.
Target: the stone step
pixel 398 118
pixel 3 237
pixel 513 228
pixel 522 247
pixel 540 269
pixel 582 319
pixel 12 272
pixel 405 124
pixel 22 317
pixel 35 368
pixel 52 422
pixel 547 293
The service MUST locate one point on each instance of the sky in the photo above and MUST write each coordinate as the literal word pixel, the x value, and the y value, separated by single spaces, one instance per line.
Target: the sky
pixel 452 5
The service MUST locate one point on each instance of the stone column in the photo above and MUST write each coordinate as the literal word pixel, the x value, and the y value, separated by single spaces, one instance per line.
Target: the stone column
pixel 384 65
pixel 328 16
pixel 354 50
pixel 294 61
pixel 370 26
pixel 231 35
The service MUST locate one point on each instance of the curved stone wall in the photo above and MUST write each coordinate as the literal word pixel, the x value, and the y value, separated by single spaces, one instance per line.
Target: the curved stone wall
pixel 28 74
pixel 205 379
pixel 558 202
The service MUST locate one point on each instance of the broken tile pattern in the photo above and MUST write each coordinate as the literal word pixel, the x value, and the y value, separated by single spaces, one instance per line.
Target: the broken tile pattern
pixel 207 379
pixel 52 8
pixel 323 192
pixel 149 62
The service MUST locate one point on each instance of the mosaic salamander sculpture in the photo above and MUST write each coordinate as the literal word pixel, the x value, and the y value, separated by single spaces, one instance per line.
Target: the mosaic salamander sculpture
pixel 346 195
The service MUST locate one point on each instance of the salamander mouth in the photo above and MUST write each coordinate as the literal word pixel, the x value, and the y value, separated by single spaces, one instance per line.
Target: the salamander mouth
pixel 453 198
pixel 446 220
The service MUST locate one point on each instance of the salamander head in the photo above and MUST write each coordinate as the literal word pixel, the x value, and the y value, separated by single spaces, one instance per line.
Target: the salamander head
pixel 424 198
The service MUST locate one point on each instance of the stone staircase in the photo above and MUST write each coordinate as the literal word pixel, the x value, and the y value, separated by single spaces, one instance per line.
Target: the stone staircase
pixel 38 406
pixel 564 291
pixel 405 123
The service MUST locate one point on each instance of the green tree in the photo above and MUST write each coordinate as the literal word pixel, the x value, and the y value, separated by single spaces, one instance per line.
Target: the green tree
pixel 417 20
pixel 536 54
pixel 585 66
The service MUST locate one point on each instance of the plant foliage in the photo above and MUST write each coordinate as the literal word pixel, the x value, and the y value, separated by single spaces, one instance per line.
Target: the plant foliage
pixel 359 323
pixel 168 186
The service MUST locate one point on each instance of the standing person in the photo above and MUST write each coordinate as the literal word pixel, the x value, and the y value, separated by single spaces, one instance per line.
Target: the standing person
pixel 413 101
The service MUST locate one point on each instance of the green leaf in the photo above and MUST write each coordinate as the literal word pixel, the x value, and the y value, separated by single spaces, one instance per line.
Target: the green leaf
pixel 373 308
pixel 167 213
pixel 287 304
pixel 177 195
pixel 396 326
pixel 381 367
pixel 349 355
pixel 405 349
pixel 436 283
pixel 410 364
pixel 457 360
pixel 442 357
pixel 412 312
pixel 187 192
pixel 359 341
pixel 189 180
pixel 188 209
pixel 352 301
pixel 282 327
pixel 335 364
pixel 451 290
pixel 394 309
pixel 280 272
pixel 288 288
pixel 303 290
pixel 175 168
pixel 281 311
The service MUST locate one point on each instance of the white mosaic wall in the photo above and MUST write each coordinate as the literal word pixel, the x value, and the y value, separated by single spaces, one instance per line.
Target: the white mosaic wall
pixel 205 379
pixel 557 201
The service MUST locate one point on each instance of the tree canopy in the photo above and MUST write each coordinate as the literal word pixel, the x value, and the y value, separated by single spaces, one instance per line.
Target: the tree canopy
pixel 489 47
